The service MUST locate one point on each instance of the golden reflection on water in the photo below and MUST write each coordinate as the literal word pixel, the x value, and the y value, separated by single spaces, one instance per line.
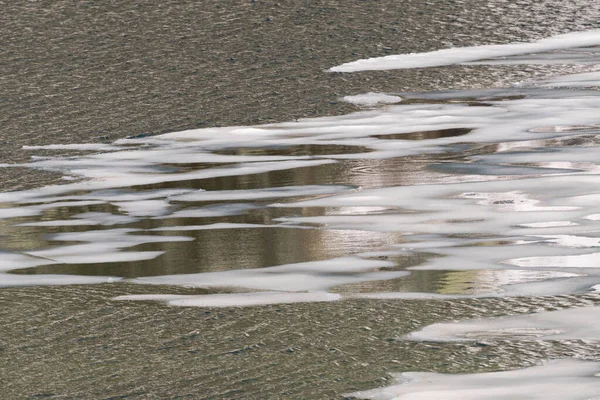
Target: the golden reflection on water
pixel 268 244
pixel 257 247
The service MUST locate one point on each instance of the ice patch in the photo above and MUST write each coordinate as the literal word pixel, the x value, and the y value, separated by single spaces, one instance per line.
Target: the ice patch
pixel 576 261
pixel 571 324
pixel 80 147
pixel 219 225
pixel 448 168
pixel 103 247
pixel 588 79
pixel 6 213
pixel 372 99
pixel 144 208
pixel 10 261
pixel 9 280
pixel 467 54
pixel 572 241
pixel 236 299
pixel 301 277
pixel 568 379
pixel 463 208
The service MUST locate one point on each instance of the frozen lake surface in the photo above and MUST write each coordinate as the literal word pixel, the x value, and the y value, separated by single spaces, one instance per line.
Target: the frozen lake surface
pixel 479 193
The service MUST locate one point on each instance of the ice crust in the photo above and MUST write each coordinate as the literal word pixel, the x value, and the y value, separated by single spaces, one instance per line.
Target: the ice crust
pixel 102 246
pixel 568 379
pixel 570 324
pixel 372 99
pixel 522 215
pixel 310 276
pixel 236 299
pixel 468 54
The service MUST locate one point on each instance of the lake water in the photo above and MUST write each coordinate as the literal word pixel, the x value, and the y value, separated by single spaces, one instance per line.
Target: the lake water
pixel 488 193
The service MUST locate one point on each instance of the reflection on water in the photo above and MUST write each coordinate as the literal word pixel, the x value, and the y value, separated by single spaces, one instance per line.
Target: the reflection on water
pixel 230 249
pixel 450 282
pixel 362 172
pixel 348 204
pixel 495 169
pixel 425 135
pixel 294 150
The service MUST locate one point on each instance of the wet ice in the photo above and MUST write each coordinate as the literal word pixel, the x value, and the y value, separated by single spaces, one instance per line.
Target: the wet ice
pixel 515 167
pixel 557 380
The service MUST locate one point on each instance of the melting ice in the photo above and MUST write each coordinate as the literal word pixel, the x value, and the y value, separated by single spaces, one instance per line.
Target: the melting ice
pixel 495 189
pixel 471 193
pixel 557 380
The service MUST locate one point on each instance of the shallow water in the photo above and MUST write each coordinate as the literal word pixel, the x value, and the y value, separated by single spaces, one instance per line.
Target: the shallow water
pixel 464 194
pixel 381 180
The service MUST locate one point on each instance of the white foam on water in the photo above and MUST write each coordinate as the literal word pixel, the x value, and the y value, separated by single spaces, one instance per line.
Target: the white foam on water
pixel 372 99
pixel 568 379
pixel 236 299
pixel 570 324
pixel 467 54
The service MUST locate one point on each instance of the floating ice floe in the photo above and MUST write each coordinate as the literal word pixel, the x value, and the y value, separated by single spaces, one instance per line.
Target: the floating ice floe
pixel 11 280
pixel 591 260
pixel 144 208
pixel 570 324
pixel 464 208
pixel 588 79
pixel 236 299
pixel 309 276
pixel 103 246
pixel 77 146
pixel 568 379
pixel 372 99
